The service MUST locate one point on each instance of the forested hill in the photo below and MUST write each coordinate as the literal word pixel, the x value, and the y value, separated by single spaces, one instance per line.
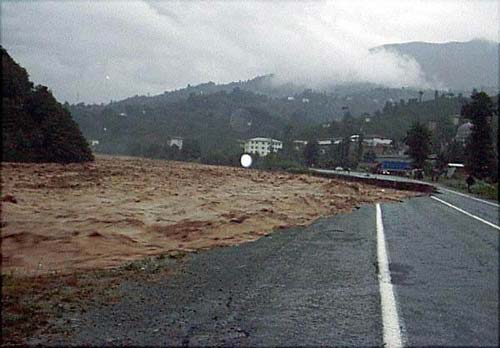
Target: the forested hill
pixel 217 121
pixel 218 118
pixel 394 120
pixel 35 127
pixel 326 103
pixel 457 65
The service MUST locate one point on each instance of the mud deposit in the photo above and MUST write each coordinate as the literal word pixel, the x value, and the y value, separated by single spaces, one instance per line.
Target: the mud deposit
pixel 118 209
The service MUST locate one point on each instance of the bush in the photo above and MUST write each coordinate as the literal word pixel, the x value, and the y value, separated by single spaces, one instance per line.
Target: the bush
pixel 486 190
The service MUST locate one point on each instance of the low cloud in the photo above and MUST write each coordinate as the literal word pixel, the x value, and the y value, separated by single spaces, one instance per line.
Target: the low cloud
pixel 149 47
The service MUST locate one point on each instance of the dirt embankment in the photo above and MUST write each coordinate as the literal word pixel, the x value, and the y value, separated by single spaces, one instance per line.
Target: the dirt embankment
pixel 102 214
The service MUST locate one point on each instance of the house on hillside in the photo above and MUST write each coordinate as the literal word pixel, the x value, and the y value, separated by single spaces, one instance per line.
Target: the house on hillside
pixel 299 145
pixel 455 168
pixel 177 141
pixel 377 144
pixel 262 146
pixel 325 144
pixel 455 119
pixel 463 133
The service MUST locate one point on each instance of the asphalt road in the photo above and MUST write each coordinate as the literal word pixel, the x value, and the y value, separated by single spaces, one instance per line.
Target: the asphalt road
pixel 368 175
pixel 320 286
pixel 444 267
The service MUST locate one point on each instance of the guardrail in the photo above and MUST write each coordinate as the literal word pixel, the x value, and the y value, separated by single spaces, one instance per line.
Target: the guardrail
pixel 378 181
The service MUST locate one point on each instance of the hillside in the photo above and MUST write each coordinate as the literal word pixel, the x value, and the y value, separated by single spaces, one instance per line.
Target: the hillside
pixel 329 101
pixel 35 127
pixel 457 65
pixel 215 116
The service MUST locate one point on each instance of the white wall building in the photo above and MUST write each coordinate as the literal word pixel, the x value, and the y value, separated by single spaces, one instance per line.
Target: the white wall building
pixel 377 141
pixel 464 132
pixel 177 141
pixel 262 146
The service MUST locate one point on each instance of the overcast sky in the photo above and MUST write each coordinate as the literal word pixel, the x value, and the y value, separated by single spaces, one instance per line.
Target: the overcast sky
pixel 94 51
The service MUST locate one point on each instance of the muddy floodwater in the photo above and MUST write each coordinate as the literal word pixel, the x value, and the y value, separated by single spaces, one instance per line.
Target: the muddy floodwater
pixel 118 209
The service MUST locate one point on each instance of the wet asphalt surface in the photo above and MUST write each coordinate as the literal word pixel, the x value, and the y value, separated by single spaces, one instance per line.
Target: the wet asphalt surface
pixel 444 267
pixel 318 286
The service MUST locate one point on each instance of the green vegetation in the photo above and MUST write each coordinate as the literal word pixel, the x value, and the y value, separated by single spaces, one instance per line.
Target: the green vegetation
pixel 35 127
pixel 275 161
pixel 217 116
pixel 481 188
pixel 481 159
pixel 418 141
pixel 311 153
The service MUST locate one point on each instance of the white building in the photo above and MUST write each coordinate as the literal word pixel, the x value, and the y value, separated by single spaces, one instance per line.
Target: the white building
pixel 464 132
pixel 299 145
pixel 177 141
pixel 379 145
pixel 377 141
pixel 262 146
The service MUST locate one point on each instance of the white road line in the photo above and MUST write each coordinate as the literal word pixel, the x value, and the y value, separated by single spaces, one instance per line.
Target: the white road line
pixel 390 319
pixel 471 197
pixel 466 213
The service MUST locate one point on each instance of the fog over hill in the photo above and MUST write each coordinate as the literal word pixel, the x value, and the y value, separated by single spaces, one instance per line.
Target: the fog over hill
pixel 455 65
pixel 97 51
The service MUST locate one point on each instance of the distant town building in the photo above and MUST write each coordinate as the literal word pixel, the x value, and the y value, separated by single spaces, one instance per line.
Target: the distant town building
pixel 177 141
pixel 463 132
pixel 299 145
pixel 455 119
pixel 432 125
pixel 325 144
pixel 305 100
pixel 262 146
pixel 94 142
pixel 290 98
pixel 453 168
pixel 377 144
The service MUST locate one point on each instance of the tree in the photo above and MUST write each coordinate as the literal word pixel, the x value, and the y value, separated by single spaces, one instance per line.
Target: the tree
pixel 418 139
pixel 191 149
pixel 359 154
pixel 480 153
pixel 35 127
pixel 311 152
pixel 454 152
pixel 369 156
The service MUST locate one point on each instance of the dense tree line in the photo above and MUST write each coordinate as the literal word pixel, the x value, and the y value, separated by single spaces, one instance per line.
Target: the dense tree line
pixel 480 153
pixel 418 140
pixel 35 127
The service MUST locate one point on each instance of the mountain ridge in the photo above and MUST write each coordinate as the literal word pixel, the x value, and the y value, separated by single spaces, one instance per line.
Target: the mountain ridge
pixel 476 61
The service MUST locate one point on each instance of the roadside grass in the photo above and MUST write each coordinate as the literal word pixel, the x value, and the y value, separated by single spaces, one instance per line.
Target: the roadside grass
pixel 480 189
pixel 31 304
